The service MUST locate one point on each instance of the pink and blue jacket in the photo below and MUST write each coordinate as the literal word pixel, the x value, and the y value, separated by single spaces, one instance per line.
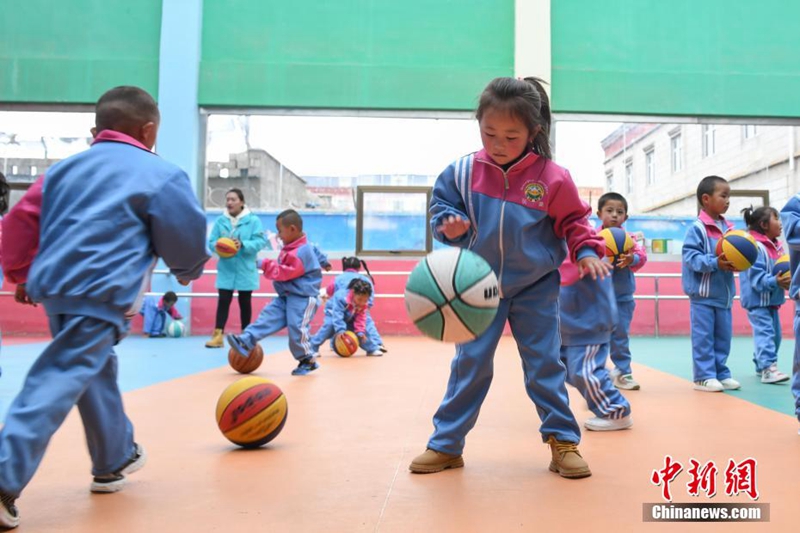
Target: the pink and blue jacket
pixel 759 286
pixel 297 270
pixel 523 220
pixel 345 312
pixel 701 277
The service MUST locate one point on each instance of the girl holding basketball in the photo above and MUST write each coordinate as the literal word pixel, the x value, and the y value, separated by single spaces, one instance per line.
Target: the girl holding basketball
pixel 521 212
pixel 239 272
pixel 763 292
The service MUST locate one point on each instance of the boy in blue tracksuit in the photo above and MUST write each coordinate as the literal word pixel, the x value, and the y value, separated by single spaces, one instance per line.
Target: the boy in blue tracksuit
pixel 708 281
pixel 348 311
pixel 155 313
pixel 350 268
pixel 763 292
pixel 122 207
pixel 588 312
pixel 296 276
pixel 790 216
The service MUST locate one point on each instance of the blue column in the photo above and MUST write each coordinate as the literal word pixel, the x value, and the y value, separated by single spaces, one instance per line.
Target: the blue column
pixel 179 137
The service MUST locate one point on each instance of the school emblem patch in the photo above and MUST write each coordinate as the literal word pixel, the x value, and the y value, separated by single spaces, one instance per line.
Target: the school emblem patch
pixel 534 192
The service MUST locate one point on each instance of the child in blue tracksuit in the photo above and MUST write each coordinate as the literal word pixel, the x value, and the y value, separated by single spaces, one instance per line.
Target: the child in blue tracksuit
pixel 763 293
pixel 122 207
pixel 351 267
pixel 612 210
pixel 296 276
pixel 348 311
pixel 521 212
pixel 155 313
pixel 588 313
pixel 790 216
pixel 708 281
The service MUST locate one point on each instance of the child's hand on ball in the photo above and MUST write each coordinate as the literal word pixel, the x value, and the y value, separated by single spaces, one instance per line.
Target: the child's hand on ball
pixel 453 227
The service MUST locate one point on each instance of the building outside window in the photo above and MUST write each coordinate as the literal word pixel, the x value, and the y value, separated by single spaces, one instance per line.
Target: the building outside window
pixel 709 139
pixel 749 131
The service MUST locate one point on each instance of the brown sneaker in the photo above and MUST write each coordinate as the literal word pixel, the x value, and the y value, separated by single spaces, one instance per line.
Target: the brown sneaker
pixel 432 461
pixel 567 460
pixel 216 340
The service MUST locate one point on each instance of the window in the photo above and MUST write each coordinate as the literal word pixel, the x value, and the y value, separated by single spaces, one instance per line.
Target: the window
pixel 629 176
pixel 709 139
pixel 243 172
pixel 609 180
pixel 650 166
pixel 14 169
pixel 33 170
pixel 749 131
pixel 676 152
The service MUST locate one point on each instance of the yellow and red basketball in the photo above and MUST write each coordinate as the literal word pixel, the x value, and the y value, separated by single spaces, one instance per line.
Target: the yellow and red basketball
pixel 781 266
pixel 617 241
pixel 739 247
pixel 345 344
pixel 245 365
pixel 251 411
pixel 226 247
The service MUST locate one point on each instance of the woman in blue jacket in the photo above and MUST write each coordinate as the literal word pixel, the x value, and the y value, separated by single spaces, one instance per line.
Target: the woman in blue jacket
pixel 238 272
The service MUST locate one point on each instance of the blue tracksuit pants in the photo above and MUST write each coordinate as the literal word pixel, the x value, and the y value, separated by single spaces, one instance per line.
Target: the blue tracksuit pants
pixel 766 336
pixel 288 311
pixel 620 341
pixel 155 321
pixel 78 367
pixel 586 371
pixel 533 317
pixel 711 341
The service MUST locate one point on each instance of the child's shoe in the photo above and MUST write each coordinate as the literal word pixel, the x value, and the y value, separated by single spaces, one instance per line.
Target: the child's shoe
pixel 9 515
pixel 432 461
pixel 608 424
pixel 305 367
pixel 375 353
pixel 730 384
pixel 709 385
pixel 567 460
pixel 238 344
pixel 383 348
pixel 115 481
pixel 216 340
pixel 623 381
pixel 773 375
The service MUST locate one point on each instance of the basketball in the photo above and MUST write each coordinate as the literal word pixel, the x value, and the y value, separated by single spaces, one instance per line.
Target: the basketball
pixel 617 241
pixel 175 329
pixel 252 411
pixel 739 248
pixel 781 265
pixel 226 247
pixel 245 365
pixel 452 295
pixel 345 344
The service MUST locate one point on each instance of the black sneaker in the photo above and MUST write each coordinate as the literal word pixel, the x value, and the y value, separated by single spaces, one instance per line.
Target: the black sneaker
pixel 9 515
pixel 306 366
pixel 115 481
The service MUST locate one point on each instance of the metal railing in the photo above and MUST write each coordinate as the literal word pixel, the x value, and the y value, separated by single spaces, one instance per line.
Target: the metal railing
pixel 656 296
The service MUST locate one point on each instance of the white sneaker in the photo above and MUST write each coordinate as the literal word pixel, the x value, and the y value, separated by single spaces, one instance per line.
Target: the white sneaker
pixel 709 385
pixel 730 384
pixel 623 381
pixel 773 375
pixel 375 353
pixel 608 424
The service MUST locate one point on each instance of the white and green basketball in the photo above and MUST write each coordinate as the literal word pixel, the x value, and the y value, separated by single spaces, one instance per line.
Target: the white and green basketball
pixel 452 295
pixel 175 329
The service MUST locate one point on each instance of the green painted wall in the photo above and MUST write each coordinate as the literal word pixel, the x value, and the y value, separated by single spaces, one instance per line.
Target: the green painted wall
pixel 71 51
pixel 677 57
pixel 379 54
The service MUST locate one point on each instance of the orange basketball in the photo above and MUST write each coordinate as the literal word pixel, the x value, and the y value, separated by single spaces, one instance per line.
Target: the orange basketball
pixel 226 247
pixel 245 365
pixel 345 344
pixel 252 411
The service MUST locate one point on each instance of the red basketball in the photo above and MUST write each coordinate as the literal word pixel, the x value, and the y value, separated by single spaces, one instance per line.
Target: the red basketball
pixel 345 344
pixel 226 247
pixel 245 365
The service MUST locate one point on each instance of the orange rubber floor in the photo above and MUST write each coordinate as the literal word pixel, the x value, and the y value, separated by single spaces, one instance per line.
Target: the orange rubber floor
pixel 341 462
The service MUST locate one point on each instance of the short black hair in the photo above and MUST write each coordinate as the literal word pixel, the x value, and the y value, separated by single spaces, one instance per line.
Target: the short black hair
pixel 612 196
pixel 125 109
pixel 360 286
pixel 290 217
pixel 170 296
pixel 707 186
pixel 756 219
pixel 5 190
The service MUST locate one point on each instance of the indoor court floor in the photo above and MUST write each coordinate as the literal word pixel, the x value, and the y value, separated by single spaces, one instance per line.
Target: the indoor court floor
pixel 341 462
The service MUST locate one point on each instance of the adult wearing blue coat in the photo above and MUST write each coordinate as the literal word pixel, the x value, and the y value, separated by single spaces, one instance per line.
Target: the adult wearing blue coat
pixel 239 272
